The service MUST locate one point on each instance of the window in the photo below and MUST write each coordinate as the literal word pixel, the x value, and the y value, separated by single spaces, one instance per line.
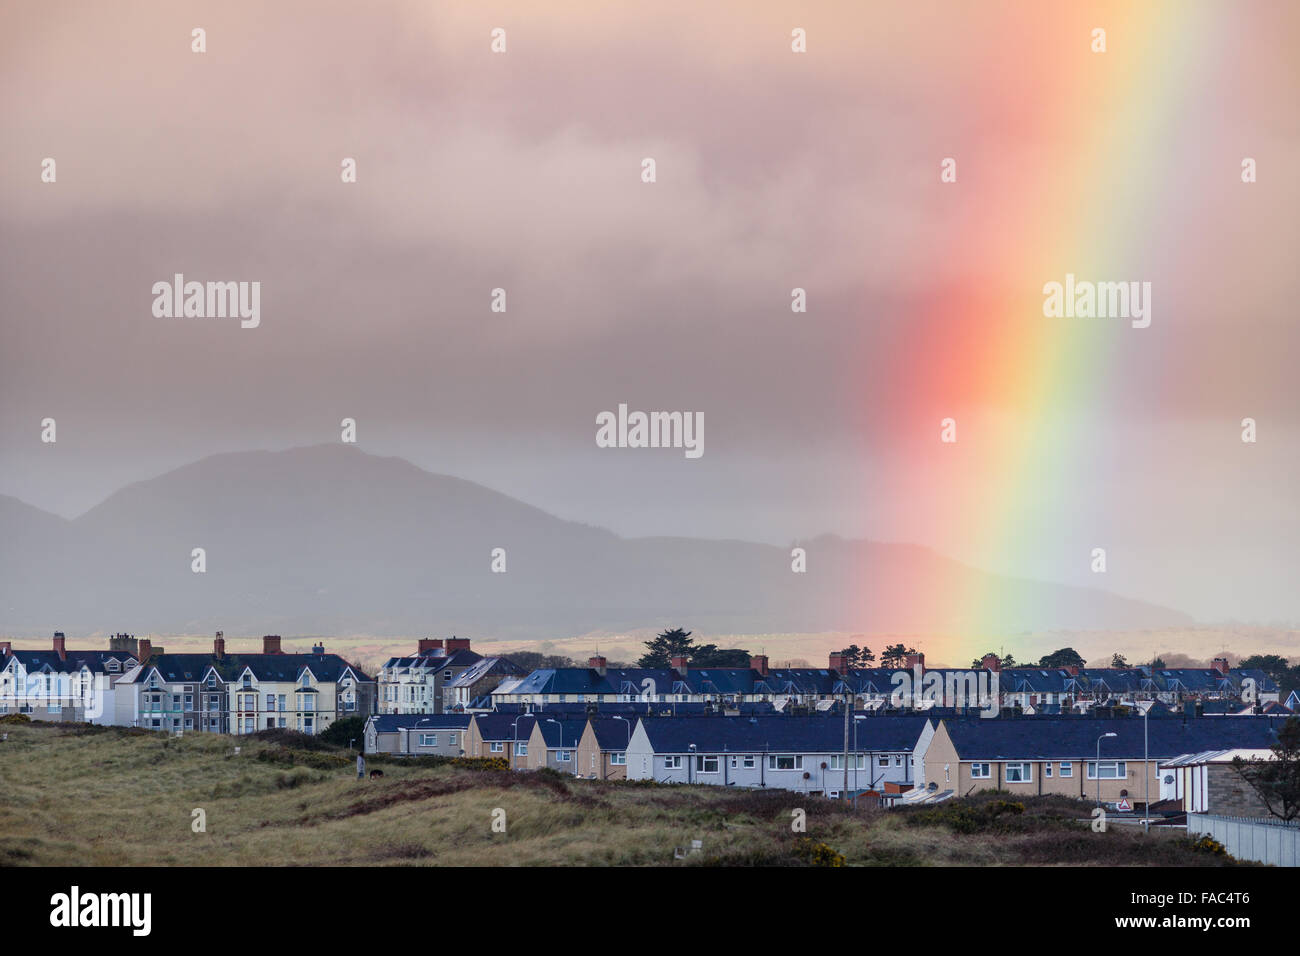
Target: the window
pixel 521 750
pixel 748 762
pixel 564 756
pixel 785 762
pixel 673 762
pixel 898 760
pixel 618 760
pixel 706 763
pixel 1020 772
pixel 428 740
pixel 1067 769
pixel 1107 770
pixel 1047 770
pixel 980 771
pixel 451 740
pixel 500 748
pixel 270 702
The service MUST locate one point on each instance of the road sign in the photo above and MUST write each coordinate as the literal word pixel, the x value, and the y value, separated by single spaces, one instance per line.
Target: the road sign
pixel 1124 805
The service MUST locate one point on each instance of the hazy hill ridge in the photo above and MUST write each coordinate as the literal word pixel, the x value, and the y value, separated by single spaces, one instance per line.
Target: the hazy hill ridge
pixel 328 539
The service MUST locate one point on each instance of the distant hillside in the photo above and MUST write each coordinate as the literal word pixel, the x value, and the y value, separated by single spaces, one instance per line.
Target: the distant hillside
pixel 328 539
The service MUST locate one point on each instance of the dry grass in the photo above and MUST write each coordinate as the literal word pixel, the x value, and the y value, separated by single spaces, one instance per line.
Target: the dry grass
pixel 77 795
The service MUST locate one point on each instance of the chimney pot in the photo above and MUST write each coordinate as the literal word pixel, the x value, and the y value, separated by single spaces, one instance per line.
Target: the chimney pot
pixel 219 646
pixel 271 644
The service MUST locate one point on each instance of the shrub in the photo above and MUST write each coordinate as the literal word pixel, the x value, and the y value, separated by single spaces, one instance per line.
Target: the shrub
pixel 15 719
pixel 815 853
pixel 1207 844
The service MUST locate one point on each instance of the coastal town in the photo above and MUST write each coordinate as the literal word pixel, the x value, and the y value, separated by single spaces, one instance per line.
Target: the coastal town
pixel 1148 743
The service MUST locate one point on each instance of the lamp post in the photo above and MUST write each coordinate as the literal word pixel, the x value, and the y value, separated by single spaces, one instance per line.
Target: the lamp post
pixel 1096 767
pixel 690 766
pixel 514 752
pixel 408 733
pixel 1146 773
pixel 856 757
pixel 629 738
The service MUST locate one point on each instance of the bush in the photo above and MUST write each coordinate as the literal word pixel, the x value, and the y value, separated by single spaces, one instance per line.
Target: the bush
pixel 343 731
pixel 15 719
pixel 816 853
pixel 1207 844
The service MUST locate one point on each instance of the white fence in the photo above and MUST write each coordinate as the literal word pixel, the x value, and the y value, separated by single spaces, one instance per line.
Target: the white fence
pixel 1249 838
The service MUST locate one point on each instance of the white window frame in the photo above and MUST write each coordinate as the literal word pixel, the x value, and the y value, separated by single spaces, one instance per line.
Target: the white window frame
pixel 981 771
pixel 1119 766
pixel 1023 769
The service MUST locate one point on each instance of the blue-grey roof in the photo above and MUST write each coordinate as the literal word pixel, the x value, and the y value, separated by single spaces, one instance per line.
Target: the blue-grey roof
pixel 891 733
pixel 503 726
pixel 74 660
pixel 391 723
pixel 1075 738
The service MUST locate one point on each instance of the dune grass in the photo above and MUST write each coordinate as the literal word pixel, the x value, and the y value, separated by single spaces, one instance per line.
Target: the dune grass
pixel 79 795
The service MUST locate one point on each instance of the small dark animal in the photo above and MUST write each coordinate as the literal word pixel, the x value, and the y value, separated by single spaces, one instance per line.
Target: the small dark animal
pixel 376 773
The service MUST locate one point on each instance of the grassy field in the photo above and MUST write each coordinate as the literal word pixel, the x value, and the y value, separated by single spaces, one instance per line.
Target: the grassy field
pixel 78 795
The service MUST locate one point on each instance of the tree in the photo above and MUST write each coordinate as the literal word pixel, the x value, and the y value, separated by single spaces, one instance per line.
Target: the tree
pixel 1117 660
pixel 669 644
pixel 710 655
pixel 1065 657
pixel 1277 781
pixel 1276 667
pixel 533 661
pixel 895 655
pixel 1158 663
pixel 1003 662
pixel 857 657
pixel 344 730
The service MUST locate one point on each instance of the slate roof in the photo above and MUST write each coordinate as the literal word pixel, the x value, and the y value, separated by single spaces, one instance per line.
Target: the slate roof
pixel 178 668
pixel 392 723
pixel 94 661
pixel 484 667
pixel 1045 738
pixel 778 734
pixel 561 732
pixel 434 662
pixel 502 726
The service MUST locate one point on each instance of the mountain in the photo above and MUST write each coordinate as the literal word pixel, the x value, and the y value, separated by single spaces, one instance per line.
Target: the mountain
pixel 329 539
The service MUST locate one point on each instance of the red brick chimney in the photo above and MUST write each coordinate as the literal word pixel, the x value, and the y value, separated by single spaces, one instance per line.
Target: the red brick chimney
pixel 427 646
pixel 678 663
pixel 991 662
pixel 457 644
pixel 839 663
pixel 271 644
pixel 60 645
pixel 597 664
pixel 6 647
pixel 146 649
pixel 914 660
pixel 1073 669
pixel 758 662
pixel 1221 665
pixel 219 645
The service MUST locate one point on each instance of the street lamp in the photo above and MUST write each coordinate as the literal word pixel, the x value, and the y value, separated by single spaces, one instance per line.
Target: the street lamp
pixel 856 757
pixel 1096 767
pixel 408 733
pixel 690 766
pixel 629 739
pixel 1146 773
pixel 514 753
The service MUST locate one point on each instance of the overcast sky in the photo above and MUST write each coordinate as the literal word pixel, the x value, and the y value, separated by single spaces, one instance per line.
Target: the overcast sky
pixel 522 171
